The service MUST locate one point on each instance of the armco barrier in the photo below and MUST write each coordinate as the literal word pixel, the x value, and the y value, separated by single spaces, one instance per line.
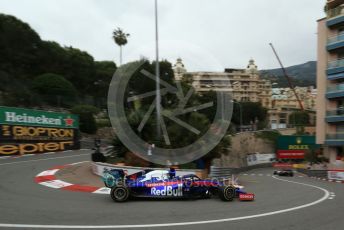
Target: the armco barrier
pixel 223 172
pixel 98 169
pixel 313 173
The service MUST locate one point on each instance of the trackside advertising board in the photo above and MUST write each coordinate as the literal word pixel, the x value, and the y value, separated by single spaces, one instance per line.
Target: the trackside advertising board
pixel 335 175
pixel 294 147
pixel 26 131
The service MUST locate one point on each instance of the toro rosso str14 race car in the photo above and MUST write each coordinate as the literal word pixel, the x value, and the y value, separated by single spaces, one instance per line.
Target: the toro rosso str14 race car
pixel 284 172
pixel 165 184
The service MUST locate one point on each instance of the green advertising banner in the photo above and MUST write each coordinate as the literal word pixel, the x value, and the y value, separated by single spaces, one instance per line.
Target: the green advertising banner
pixel 296 143
pixel 25 131
pixel 19 116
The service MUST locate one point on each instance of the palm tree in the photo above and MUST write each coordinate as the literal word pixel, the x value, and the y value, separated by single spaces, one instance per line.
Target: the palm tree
pixel 120 39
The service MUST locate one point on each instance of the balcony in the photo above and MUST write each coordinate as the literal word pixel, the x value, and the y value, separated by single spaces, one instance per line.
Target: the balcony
pixel 335 42
pixel 333 116
pixel 335 16
pixel 335 91
pixel 334 67
pixel 335 139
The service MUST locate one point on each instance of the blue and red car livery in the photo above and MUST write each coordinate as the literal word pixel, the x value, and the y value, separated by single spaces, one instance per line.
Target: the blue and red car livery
pixel 166 184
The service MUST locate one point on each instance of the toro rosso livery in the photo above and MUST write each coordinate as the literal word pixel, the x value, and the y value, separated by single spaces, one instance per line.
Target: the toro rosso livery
pixel 284 172
pixel 165 184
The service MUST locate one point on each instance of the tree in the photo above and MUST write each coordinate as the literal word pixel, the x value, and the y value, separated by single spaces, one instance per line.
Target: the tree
pixel 299 118
pixel 24 56
pixel 104 70
pixel 79 69
pixel 54 89
pixel 179 136
pixel 53 84
pixel 253 112
pixel 221 148
pixel 120 39
pixel 18 47
pixel 86 118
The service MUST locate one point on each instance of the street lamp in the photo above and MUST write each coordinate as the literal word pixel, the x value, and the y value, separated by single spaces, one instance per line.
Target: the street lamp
pixel 157 77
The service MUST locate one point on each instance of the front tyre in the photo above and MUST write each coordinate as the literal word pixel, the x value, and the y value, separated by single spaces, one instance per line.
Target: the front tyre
pixel 227 193
pixel 120 193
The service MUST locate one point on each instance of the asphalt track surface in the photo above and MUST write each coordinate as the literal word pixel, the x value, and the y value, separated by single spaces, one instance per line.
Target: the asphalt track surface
pixel 280 203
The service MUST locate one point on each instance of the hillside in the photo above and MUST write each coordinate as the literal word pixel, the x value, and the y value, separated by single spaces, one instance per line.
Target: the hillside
pixel 35 72
pixel 302 75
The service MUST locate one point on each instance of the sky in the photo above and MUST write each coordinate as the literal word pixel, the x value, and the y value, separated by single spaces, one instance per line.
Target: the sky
pixel 208 35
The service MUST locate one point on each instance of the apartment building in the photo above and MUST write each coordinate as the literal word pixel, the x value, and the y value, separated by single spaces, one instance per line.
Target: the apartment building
pixel 244 84
pixel 330 82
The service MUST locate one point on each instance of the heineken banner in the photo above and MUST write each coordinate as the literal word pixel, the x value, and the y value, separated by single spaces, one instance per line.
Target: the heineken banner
pixel 24 131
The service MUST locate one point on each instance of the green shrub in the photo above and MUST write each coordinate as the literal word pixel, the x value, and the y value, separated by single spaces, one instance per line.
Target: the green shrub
pixel 86 118
pixel 53 84
pixel 103 123
pixel 54 89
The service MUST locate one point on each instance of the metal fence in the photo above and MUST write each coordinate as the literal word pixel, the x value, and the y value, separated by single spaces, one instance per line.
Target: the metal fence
pixel 224 172
pixel 313 173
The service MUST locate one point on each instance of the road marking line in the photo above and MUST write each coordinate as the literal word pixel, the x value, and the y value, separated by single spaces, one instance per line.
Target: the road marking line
pixel 47 172
pixel 56 183
pixel 80 188
pixel 5 157
pixel 323 198
pixel 103 190
pixel 45 159
pixel 79 162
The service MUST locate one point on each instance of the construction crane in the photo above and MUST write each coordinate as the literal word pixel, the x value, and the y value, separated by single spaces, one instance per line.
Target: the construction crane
pixel 290 83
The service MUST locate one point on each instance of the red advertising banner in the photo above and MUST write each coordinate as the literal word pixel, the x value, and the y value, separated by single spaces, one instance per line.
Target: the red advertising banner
pixel 282 165
pixel 246 197
pixel 290 154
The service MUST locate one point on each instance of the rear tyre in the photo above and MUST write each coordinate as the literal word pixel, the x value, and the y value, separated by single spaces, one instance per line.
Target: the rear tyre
pixel 120 193
pixel 227 193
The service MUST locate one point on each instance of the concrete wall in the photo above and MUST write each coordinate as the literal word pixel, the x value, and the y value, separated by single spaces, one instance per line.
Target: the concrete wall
pixel 321 81
pixel 242 144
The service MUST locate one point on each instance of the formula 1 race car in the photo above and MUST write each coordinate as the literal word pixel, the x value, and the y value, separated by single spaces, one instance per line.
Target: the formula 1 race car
pixel 284 172
pixel 165 184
